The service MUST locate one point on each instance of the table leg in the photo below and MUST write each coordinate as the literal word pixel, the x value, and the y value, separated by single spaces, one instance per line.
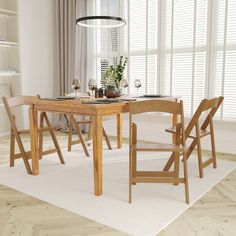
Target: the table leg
pixel 119 130
pixel 97 154
pixel 34 140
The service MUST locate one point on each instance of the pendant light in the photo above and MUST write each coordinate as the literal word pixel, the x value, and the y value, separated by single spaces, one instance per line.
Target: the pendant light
pixel 101 21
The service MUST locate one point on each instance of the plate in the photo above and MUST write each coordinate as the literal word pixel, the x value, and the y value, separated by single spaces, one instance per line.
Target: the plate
pixel 66 97
pixel 113 99
pixel 152 96
pixel 101 101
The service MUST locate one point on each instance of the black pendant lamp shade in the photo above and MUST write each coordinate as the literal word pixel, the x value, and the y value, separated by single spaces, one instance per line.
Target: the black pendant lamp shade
pixel 101 21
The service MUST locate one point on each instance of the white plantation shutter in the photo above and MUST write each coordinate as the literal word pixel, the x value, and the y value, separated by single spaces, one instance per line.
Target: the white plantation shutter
pixel 225 69
pixel 152 36
pixel 182 45
pixel 182 48
pixel 143 17
pixel 137 44
pixel 151 74
pixel 107 40
pixel 185 35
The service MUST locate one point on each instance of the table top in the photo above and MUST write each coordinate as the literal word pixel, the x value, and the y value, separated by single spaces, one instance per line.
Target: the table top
pixel 77 107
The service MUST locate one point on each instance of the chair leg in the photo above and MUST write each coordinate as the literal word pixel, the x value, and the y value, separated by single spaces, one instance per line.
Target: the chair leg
pixel 213 144
pixel 130 175
pixel 189 152
pixel 70 134
pixel 41 135
pixel 134 164
pixel 191 148
pixel 54 139
pixel 89 135
pixel 199 151
pixel 169 162
pixel 80 135
pixel 134 152
pixel 24 156
pixel 176 166
pixel 106 138
pixel 12 149
pixel 177 154
pixel 186 178
pixel 90 131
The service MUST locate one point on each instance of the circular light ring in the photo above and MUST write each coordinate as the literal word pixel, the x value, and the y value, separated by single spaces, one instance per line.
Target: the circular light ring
pixel 120 22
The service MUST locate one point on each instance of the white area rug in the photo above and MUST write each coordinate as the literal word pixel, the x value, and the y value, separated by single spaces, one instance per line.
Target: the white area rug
pixel 70 186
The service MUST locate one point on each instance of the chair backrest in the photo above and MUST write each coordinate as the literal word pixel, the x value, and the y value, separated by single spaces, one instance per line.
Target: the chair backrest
pixel 155 106
pixel 171 107
pixel 210 105
pixel 212 113
pixel 11 103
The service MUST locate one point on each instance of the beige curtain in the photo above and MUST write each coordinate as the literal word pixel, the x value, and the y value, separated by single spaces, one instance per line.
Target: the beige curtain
pixel 81 46
pixel 64 44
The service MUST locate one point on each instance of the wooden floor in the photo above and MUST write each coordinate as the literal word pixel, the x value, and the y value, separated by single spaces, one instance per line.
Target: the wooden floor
pixel 214 214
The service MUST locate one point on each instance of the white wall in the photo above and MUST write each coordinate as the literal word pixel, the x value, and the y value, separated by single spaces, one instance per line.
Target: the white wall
pixel 151 128
pixel 36 48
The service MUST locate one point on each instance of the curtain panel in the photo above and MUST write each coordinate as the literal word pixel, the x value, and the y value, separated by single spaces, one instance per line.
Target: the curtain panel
pixel 81 46
pixel 64 14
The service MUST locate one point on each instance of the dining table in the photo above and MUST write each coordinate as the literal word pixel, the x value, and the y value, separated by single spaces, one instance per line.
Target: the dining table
pixel 77 107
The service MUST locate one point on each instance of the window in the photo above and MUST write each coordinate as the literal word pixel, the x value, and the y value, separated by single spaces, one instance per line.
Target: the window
pixel 224 49
pixel 183 48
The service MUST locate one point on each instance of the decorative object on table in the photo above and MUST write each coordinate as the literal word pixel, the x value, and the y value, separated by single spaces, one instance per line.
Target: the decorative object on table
pixel 76 85
pixel 96 93
pixel 100 93
pixel 112 78
pixel 92 84
pixel 124 83
pixel 101 21
pixel 112 92
pixel 137 84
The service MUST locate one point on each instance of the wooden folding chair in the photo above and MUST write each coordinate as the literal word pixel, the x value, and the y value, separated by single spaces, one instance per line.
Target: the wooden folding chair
pixel 211 106
pixel 74 124
pixel 137 176
pixel 10 103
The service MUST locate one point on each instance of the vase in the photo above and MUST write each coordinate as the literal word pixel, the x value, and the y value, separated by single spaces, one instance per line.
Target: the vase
pixel 113 92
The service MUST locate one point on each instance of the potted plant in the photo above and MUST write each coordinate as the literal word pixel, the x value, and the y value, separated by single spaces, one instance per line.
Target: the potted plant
pixel 112 78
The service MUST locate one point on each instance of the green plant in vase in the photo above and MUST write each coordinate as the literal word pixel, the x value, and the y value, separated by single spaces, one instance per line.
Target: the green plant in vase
pixel 112 78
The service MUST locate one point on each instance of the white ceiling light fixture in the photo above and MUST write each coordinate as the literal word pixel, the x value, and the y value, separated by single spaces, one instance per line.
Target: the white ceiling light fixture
pixel 101 21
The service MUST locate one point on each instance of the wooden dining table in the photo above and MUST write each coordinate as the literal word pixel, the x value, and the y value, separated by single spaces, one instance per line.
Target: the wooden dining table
pixel 96 111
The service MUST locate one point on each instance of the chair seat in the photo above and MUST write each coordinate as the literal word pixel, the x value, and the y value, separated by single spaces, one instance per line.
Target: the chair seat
pixel 202 132
pixel 159 147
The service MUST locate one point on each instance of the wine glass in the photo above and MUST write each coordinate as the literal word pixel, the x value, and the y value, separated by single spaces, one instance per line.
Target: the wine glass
pixel 92 84
pixel 76 85
pixel 137 84
pixel 124 83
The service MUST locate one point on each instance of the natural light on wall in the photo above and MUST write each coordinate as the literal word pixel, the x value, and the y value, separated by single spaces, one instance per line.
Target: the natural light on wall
pixel 182 48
